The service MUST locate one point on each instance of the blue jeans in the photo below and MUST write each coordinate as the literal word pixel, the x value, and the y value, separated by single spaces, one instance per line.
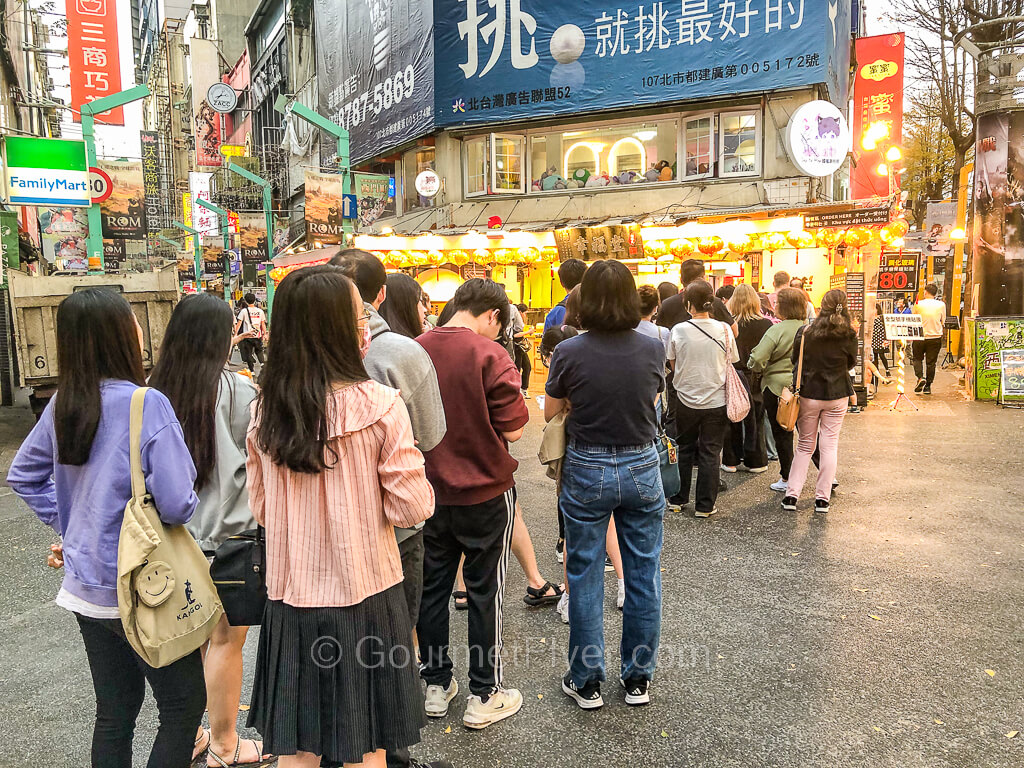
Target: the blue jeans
pixel 598 482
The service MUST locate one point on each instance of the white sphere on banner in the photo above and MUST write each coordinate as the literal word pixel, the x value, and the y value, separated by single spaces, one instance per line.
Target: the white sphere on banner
pixel 567 43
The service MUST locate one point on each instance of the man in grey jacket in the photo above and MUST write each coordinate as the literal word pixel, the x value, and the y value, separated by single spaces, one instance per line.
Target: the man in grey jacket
pixel 399 362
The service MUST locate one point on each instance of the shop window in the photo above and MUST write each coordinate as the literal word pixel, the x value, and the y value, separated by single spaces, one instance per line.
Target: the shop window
pixel 507 164
pixel 739 147
pixel 699 147
pixel 476 166
pixel 413 164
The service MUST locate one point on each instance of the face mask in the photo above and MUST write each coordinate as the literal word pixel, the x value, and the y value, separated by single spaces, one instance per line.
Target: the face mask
pixel 364 344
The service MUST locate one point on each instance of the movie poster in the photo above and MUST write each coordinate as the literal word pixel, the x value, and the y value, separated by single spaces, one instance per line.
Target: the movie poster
pixel 252 237
pixel 991 198
pixel 324 203
pixel 374 197
pixel 124 213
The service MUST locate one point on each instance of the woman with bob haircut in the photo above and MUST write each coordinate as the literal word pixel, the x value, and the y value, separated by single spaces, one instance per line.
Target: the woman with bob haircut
pixel 773 359
pixel 332 470
pixel 608 379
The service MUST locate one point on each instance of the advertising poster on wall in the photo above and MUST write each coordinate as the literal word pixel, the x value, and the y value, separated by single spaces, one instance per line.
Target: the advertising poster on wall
pixel 93 55
pixel 992 213
pixel 150 142
pixel 375 70
pixel 324 202
pixel 939 220
pixel 206 122
pixel 205 221
pixel 66 252
pixel 124 213
pixel 252 237
pixel 991 335
pixel 877 98
pixel 508 59
pixel 374 196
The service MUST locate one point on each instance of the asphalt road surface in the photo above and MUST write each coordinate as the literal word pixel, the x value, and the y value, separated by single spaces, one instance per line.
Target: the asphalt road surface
pixel 885 634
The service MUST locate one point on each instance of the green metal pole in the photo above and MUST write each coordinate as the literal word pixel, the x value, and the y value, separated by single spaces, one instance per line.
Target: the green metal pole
pixel 94 239
pixel 197 250
pixel 225 228
pixel 269 214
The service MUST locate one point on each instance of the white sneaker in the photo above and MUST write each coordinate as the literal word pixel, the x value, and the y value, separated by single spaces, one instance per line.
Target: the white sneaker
pixel 504 702
pixel 437 699
pixel 563 607
pixel 754 470
pixel 779 485
pixel 620 599
pixel 727 468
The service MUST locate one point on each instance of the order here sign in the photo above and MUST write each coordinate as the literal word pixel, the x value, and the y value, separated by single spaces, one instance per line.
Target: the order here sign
pixel 45 172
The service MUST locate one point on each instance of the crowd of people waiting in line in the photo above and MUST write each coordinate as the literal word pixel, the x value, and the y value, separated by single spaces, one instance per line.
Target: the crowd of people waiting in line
pixel 376 457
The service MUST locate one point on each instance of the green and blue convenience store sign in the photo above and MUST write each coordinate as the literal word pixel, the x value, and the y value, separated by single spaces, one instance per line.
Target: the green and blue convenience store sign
pixel 45 172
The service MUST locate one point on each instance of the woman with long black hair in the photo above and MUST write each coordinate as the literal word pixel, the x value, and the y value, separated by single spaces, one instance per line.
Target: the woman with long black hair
pixel 829 352
pixel 332 470
pixel 213 406
pixel 403 307
pixel 73 471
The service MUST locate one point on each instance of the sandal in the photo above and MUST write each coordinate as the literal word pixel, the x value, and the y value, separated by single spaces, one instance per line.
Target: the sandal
pixel 539 596
pixel 259 763
pixel 199 757
pixel 461 600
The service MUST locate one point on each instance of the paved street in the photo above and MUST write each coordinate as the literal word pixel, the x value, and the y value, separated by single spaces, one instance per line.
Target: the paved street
pixel 885 634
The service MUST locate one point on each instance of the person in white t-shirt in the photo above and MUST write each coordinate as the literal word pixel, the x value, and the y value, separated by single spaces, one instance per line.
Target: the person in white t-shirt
pixel 926 351
pixel 699 352
pixel 252 324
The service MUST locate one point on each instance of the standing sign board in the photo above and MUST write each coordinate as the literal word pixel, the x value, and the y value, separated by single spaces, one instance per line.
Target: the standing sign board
pixel 903 327
pixel 1011 380
pixel 853 284
pixel 45 172
pixel 898 271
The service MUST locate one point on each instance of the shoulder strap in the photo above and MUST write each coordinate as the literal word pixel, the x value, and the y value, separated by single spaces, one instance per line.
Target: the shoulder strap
pixel 800 364
pixel 380 333
pixel 135 442
pixel 720 344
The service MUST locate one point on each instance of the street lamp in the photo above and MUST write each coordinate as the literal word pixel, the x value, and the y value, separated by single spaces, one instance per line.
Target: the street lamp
pixel 286 105
pixel 225 229
pixel 88 111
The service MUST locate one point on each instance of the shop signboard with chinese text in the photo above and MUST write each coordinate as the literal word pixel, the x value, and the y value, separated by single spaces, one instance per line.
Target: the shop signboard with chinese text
pixel 45 172
pixel 150 141
pixel 205 221
pixel 522 59
pixel 899 270
pixel 877 98
pixel 375 70
pixel 859 217
pixel 903 327
pixel 597 243
pixel 93 55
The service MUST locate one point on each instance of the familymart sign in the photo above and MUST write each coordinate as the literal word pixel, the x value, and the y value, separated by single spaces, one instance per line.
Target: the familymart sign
pixel 45 172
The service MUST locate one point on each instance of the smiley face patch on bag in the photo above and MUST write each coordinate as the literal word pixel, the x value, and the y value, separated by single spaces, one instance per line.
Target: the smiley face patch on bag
pixel 155 583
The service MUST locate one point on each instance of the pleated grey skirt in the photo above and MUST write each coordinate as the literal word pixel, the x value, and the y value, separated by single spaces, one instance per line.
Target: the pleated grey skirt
pixel 337 682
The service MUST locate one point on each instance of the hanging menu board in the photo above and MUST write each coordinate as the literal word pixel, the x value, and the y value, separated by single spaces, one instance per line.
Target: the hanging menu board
pixel 898 271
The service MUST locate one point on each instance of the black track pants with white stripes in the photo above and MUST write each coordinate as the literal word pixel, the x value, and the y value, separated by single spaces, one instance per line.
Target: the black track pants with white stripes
pixel 483 532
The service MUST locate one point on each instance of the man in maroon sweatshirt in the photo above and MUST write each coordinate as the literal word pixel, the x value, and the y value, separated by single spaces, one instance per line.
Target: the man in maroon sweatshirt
pixel 471 471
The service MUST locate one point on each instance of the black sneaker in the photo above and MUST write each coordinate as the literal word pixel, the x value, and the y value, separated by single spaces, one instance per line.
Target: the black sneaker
pixel 560 550
pixel 927 389
pixel 608 567
pixel 920 385
pixel 637 691
pixel 588 697
pixel 789 503
pixel 821 505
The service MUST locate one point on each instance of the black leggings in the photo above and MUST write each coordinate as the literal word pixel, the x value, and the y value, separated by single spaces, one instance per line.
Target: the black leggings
pixel 880 353
pixel 783 438
pixel 524 365
pixel 119 678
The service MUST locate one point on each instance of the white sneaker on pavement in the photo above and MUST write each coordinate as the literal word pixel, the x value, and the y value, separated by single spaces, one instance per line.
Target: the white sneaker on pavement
pixel 779 485
pixel 563 607
pixel 504 702
pixel 620 599
pixel 437 699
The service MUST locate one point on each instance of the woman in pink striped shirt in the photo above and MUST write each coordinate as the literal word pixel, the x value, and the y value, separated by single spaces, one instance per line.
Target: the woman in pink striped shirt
pixel 332 469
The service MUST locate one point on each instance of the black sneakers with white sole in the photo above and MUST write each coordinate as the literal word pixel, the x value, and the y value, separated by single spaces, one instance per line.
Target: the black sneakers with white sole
pixel 789 503
pixel 588 697
pixel 638 691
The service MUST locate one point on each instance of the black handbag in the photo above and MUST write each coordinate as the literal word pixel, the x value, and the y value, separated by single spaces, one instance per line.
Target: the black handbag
pixel 238 572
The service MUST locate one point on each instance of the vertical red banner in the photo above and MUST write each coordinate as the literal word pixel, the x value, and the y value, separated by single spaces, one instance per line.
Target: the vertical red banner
pixel 877 98
pixel 93 55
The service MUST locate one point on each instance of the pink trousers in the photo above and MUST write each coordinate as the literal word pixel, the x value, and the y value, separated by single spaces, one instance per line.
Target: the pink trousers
pixel 818 424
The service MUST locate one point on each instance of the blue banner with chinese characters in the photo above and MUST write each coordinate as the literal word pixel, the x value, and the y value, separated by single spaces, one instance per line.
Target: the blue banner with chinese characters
pixel 506 59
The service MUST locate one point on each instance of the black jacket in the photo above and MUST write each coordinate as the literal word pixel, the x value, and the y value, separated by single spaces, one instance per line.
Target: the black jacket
pixel 827 364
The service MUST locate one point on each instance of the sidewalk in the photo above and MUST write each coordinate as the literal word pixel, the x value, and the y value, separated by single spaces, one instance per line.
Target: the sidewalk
pixel 860 638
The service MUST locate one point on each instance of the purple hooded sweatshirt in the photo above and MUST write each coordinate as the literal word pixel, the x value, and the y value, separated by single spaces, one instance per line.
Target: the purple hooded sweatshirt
pixel 85 504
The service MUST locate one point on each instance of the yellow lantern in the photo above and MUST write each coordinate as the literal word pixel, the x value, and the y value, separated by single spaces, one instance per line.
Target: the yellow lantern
pixel 418 258
pixel 549 254
pixel 709 246
pixel 655 248
pixel 528 255
pixel 738 245
pixel 381 256
pixel 857 237
pixel 482 256
pixel 458 258
pixel 503 256
pixel 399 259
pixel 800 239
pixel 681 248
pixel 899 227
pixel 435 258
pixel 771 242
pixel 828 238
